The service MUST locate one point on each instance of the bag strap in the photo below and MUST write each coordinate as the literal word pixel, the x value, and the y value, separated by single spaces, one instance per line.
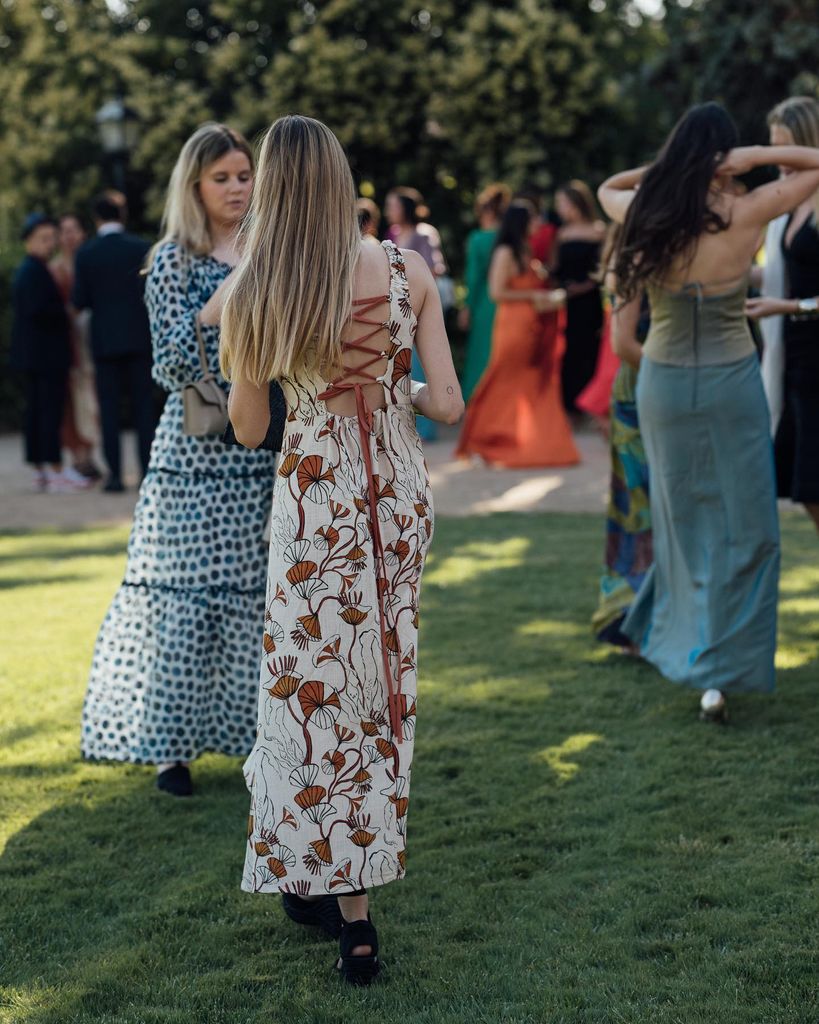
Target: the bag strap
pixel 203 355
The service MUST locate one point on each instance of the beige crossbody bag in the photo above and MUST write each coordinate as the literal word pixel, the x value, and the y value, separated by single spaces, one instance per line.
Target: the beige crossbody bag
pixel 204 403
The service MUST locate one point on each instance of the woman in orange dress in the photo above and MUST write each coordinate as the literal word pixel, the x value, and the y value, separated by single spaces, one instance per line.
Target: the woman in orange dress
pixel 515 418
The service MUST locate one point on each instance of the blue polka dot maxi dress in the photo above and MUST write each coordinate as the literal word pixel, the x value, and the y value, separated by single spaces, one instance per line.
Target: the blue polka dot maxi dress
pixel 175 669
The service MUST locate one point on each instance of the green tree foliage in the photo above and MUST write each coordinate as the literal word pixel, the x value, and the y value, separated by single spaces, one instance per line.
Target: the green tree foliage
pixel 55 61
pixel 743 53
pixel 520 92
pixel 444 96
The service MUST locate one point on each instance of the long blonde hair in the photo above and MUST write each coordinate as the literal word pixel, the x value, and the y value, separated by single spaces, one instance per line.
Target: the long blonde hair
pixel 290 298
pixel 184 219
pixel 800 115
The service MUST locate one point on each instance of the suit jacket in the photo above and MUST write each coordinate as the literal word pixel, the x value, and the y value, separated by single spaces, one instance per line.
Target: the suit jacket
pixel 40 333
pixel 109 282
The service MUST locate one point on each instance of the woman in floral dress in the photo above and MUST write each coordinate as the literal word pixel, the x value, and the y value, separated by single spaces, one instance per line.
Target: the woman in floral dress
pixel 336 322
pixel 173 672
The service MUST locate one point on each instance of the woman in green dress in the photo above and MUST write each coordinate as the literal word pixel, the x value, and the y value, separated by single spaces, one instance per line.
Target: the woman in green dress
pixel 478 314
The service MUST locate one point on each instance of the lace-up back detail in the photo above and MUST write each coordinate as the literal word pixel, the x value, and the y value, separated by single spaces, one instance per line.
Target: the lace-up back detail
pixel 374 349
pixel 380 355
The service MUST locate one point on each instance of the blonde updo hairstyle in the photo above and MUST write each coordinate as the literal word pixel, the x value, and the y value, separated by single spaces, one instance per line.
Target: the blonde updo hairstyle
pixel 184 220
pixel 291 296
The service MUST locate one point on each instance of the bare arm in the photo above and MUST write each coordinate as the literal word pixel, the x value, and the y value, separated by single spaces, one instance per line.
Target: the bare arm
pixel 618 191
pixel 624 321
pixel 211 312
pixel 249 412
pixel 769 201
pixel 761 307
pixel 440 398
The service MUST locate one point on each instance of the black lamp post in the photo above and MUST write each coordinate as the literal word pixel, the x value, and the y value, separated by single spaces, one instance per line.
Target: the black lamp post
pixel 118 127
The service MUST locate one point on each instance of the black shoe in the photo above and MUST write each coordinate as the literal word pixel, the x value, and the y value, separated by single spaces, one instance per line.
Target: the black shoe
pixel 176 781
pixel 324 912
pixel 358 970
pixel 113 485
pixel 88 470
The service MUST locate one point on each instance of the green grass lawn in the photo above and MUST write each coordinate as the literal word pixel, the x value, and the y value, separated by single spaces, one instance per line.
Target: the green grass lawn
pixel 581 848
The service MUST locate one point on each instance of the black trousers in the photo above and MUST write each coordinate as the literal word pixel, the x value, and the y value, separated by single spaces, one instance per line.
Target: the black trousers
pixel 43 417
pixel 118 376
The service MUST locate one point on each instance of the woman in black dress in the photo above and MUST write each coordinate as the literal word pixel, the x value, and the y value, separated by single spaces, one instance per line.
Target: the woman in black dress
pixel 796 121
pixel 579 243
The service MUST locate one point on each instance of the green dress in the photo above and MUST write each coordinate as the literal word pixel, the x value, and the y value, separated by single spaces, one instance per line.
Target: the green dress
pixel 479 248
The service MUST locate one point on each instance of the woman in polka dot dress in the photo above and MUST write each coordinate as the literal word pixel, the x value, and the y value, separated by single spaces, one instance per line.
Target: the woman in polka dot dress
pixel 336 322
pixel 175 671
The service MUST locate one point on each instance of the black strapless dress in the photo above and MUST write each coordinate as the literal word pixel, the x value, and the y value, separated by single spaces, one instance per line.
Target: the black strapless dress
pixel 577 260
pixel 797 438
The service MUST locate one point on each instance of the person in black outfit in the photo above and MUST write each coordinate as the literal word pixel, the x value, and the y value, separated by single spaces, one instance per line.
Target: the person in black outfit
pixel 796 445
pixel 797 439
pixel 41 350
pixel 579 244
pixel 108 281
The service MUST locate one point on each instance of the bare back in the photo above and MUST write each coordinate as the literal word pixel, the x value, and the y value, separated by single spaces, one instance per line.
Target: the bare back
pixel 720 261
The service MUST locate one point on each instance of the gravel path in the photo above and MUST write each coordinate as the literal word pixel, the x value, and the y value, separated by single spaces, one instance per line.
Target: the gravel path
pixel 459 488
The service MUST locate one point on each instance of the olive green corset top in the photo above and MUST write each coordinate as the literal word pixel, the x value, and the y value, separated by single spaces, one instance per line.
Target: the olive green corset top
pixel 692 328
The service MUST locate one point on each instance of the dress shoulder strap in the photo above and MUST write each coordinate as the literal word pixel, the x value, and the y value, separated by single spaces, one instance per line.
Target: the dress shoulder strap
pixel 399 285
pixel 398 268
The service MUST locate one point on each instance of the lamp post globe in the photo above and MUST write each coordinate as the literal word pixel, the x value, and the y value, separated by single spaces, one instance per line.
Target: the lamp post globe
pixel 118 127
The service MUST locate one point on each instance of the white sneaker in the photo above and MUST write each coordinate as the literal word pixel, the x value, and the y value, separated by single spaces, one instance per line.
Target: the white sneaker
pixel 59 483
pixel 75 477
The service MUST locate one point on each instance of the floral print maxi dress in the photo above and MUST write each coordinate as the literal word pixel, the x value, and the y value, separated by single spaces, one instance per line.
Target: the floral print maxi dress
pixel 330 771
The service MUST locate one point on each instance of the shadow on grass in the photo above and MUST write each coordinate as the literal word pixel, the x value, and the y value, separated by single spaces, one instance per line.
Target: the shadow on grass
pixel 13 582
pixel 47 548
pixel 123 899
pixel 118 877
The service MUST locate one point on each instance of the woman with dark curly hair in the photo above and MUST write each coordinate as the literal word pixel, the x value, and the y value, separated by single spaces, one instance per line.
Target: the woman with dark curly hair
pixel 706 613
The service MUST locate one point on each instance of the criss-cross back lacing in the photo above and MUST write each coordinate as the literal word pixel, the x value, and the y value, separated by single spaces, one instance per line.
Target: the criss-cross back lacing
pixel 341 385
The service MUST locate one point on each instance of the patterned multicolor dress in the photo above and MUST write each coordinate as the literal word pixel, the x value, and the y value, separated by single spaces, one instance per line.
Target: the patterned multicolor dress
pixel 174 670
pixel 628 522
pixel 329 775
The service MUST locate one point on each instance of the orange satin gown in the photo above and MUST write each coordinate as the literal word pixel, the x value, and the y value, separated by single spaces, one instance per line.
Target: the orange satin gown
pixel 515 417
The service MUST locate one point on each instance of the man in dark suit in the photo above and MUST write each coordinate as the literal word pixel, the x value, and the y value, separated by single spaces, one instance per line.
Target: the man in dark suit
pixel 109 282
pixel 41 351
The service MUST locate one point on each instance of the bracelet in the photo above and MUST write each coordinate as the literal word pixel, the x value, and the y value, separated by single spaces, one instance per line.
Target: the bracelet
pixel 806 309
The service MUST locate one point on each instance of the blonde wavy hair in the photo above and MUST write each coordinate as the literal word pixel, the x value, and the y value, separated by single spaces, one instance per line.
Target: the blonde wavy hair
pixel 184 219
pixel 290 297
pixel 800 115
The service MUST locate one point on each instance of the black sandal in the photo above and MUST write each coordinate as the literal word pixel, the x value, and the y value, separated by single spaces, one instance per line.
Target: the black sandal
pixel 358 970
pixel 324 913
pixel 175 780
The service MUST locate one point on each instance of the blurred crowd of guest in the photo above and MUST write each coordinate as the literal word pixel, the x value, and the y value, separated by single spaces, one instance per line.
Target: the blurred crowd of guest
pixel 539 357
pixel 81 343
pixel 533 315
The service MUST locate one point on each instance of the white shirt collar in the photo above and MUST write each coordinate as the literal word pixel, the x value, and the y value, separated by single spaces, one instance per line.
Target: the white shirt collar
pixel 110 227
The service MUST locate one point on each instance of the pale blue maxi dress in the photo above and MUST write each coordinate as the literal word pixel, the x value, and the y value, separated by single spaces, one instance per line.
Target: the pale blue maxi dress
pixel 705 615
